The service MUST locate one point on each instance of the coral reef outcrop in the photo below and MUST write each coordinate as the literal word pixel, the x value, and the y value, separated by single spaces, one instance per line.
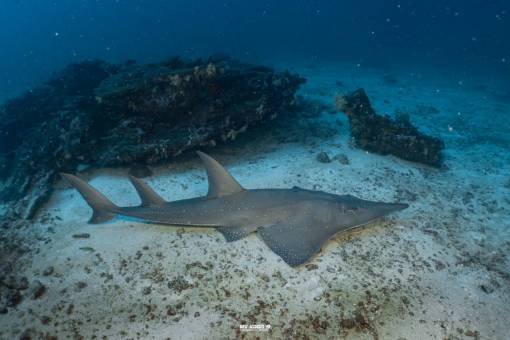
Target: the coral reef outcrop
pixel 383 135
pixel 99 114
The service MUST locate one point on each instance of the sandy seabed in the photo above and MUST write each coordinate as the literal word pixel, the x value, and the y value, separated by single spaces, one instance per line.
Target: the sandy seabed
pixel 437 270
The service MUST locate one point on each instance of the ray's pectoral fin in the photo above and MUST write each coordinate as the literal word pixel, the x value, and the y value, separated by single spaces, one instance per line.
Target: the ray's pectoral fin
pixel 295 243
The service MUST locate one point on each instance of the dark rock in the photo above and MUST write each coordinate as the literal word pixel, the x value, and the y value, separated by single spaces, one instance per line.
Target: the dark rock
pixel 342 159
pixel 80 285
pixel 323 157
pixel 472 334
pixel 48 271
pixel 45 320
pixel 348 323
pixel 27 334
pixel 179 284
pixel 381 134
pixel 15 282
pixel 39 104
pixel 171 311
pixel 439 265
pixel 13 298
pixel 146 290
pixel 39 290
pixel 83 235
pixel 319 326
pixel 487 289
pixel 118 115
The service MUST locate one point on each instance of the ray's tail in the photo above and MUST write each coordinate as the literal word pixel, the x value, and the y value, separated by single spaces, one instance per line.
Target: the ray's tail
pixel 103 208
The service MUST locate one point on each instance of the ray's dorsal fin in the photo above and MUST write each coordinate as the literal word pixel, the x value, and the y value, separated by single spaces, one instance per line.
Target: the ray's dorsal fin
pixel 221 183
pixel 147 195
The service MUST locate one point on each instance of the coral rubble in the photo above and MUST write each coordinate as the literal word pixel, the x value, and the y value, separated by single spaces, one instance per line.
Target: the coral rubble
pixel 99 114
pixel 383 135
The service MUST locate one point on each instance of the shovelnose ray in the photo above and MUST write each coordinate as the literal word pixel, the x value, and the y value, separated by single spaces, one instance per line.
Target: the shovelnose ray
pixel 294 223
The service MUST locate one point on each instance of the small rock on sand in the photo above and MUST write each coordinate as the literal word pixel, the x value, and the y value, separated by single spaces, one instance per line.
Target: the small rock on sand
pixel 39 290
pixel 83 235
pixel 48 271
pixel 13 298
pixel 323 157
pixel 342 159
pixel 16 282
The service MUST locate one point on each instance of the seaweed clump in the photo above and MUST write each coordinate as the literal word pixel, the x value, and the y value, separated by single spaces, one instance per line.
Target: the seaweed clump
pixel 383 135
pixel 99 114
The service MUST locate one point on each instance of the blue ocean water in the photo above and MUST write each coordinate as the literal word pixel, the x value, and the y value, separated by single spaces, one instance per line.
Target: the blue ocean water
pixel 38 37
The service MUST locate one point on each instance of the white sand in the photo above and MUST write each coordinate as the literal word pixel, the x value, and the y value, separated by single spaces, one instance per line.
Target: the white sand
pixel 418 274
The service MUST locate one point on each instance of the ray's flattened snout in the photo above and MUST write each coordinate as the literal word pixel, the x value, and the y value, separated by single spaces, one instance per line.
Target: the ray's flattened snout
pixel 294 223
pixel 402 206
pixel 397 206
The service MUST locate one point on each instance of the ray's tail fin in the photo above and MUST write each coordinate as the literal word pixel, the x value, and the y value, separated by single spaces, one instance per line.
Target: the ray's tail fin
pixel 103 208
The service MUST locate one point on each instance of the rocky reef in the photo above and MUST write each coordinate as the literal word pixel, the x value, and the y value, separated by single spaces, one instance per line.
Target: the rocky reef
pixel 99 114
pixel 383 135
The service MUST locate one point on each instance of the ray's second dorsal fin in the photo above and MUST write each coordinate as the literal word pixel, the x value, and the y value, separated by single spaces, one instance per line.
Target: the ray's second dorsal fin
pixel 147 195
pixel 221 183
